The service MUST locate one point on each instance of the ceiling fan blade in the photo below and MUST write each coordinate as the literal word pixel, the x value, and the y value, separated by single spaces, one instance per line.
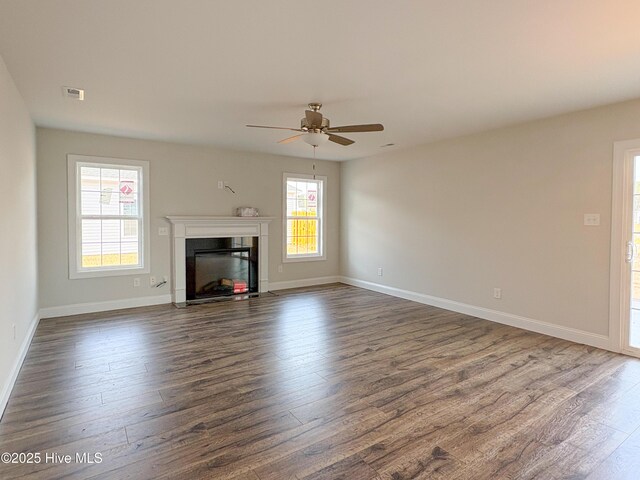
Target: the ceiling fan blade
pixel 291 139
pixel 314 119
pixel 371 127
pixel 341 140
pixel 277 128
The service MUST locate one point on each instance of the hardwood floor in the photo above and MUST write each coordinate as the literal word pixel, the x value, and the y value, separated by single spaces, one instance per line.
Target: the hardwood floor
pixel 329 382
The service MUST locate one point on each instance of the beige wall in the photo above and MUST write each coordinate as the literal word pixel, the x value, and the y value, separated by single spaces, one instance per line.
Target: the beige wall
pixel 504 209
pixel 183 182
pixel 18 261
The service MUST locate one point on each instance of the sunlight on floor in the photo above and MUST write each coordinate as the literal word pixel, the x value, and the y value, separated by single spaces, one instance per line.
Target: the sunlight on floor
pixel 302 333
pixel 634 328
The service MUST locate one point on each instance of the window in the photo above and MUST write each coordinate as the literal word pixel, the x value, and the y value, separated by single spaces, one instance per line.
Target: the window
pixel 304 217
pixel 108 216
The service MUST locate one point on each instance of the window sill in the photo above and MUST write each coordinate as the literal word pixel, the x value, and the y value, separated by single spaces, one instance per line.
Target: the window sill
pixel 120 272
pixel 304 259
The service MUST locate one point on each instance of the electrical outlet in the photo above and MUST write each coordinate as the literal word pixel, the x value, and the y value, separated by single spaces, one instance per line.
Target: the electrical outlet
pixel 279 268
pixel 136 282
pixel 220 184
pixel 497 293
pixel 152 280
pixel 592 219
pixel 14 331
pixel 379 271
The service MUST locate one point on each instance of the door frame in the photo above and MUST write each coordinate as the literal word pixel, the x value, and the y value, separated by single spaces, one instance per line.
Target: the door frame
pixel 621 214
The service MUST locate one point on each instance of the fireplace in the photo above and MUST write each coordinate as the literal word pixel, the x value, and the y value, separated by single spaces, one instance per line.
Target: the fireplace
pixel 221 267
pixel 235 249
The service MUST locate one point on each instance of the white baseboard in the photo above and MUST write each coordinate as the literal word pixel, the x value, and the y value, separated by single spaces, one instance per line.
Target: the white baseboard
pixel 305 282
pixel 566 333
pixel 22 353
pixel 79 308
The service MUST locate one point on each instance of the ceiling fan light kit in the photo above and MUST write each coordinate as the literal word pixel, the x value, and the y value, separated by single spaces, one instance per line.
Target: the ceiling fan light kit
pixel 315 139
pixel 316 129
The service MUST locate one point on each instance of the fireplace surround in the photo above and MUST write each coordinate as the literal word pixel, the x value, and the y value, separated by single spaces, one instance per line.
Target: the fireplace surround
pixel 217 228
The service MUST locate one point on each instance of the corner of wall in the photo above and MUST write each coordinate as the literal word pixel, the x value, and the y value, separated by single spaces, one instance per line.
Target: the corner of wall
pixel 18 222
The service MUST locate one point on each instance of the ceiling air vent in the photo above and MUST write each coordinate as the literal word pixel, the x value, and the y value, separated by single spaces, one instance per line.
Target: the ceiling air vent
pixel 72 92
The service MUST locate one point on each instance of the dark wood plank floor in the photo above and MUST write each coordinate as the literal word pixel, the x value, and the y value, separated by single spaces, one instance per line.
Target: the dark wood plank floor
pixel 331 382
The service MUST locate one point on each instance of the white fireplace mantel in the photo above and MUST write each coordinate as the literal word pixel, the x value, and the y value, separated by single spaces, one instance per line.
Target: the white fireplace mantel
pixel 184 227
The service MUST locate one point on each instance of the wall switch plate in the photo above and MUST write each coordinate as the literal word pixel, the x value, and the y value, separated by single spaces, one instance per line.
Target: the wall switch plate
pixel 163 231
pixel 152 280
pixel 136 282
pixel 220 184
pixel 379 271
pixel 279 268
pixel 497 293
pixel 592 219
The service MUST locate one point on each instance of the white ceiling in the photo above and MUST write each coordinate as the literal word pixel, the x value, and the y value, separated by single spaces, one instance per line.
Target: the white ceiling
pixel 197 71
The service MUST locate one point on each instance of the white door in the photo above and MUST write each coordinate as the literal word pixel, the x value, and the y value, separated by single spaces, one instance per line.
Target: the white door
pixel 625 249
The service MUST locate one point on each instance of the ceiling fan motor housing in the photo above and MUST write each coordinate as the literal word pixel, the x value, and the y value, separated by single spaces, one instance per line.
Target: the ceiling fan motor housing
pixel 304 124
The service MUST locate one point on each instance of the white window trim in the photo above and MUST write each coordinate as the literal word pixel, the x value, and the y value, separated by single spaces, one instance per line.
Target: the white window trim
pixel 322 219
pixel 621 226
pixel 73 215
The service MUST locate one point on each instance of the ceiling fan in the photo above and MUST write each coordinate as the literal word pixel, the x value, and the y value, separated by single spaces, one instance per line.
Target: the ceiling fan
pixel 316 129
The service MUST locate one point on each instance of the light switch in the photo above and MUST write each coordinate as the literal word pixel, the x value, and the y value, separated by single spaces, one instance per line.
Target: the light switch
pixel 163 231
pixel 592 219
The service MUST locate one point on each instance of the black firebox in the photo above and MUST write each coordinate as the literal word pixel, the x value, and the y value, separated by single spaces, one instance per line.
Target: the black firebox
pixel 221 267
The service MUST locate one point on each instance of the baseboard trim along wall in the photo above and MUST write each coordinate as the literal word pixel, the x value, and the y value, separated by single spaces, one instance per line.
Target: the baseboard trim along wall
pixel 79 308
pixel 22 353
pixel 93 307
pixel 565 333
pixel 305 282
